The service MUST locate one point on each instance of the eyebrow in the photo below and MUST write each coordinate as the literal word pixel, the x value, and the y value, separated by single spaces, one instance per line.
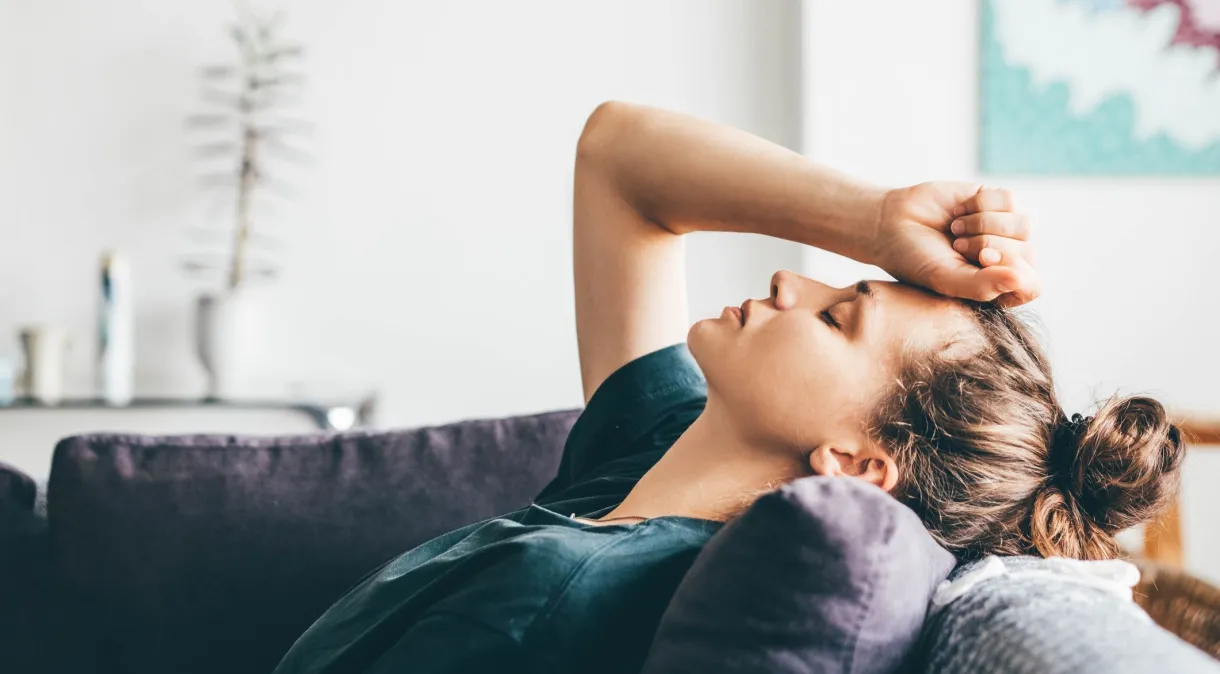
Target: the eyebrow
pixel 863 289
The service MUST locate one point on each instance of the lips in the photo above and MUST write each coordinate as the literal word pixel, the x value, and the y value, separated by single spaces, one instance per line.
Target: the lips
pixel 745 312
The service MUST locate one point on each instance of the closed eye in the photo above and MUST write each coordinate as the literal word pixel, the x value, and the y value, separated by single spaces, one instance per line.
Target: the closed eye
pixel 830 320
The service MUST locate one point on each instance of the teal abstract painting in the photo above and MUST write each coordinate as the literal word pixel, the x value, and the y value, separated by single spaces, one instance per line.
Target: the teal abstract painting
pixel 1100 87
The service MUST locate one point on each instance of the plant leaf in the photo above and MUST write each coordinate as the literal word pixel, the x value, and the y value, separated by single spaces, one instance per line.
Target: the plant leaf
pixel 210 121
pixel 225 235
pixel 219 179
pixel 219 97
pixel 279 80
pixel 239 34
pixel 217 72
pixel 277 125
pixel 276 187
pixel 217 149
pixel 283 52
pixel 278 149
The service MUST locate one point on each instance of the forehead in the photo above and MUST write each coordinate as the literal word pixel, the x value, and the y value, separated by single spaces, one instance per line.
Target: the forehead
pixel 913 318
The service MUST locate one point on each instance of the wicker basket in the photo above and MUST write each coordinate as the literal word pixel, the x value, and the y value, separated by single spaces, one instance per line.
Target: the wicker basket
pixel 1181 603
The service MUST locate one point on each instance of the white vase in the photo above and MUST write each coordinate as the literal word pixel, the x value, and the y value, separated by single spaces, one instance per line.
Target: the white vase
pixel 226 334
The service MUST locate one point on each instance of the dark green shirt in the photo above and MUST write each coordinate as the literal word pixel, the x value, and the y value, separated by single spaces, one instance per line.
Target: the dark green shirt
pixel 535 590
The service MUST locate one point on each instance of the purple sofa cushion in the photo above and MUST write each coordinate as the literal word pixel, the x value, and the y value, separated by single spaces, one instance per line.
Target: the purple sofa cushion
pixel 213 553
pixel 825 575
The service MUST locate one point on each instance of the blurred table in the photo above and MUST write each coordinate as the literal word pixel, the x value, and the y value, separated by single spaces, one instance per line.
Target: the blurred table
pixel 30 429
pixel 1165 540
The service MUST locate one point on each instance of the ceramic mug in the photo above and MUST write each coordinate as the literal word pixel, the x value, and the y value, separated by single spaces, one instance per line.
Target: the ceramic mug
pixel 45 347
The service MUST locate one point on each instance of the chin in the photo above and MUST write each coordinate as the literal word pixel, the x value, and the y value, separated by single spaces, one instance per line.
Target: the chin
pixel 699 334
pixel 702 341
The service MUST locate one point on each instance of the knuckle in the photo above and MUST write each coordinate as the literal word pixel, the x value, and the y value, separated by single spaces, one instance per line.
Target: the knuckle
pixel 1006 198
pixel 1004 226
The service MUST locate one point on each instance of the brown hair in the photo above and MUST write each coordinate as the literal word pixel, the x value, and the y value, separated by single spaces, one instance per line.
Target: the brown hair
pixel 992 465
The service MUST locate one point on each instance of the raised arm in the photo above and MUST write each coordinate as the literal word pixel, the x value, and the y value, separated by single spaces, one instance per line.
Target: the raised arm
pixel 646 176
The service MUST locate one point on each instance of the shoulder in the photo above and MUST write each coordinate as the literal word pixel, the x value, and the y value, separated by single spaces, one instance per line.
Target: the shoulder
pixel 645 558
pixel 641 408
pixel 650 545
pixel 620 588
pixel 638 394
pixel 508 583
pixel 549 561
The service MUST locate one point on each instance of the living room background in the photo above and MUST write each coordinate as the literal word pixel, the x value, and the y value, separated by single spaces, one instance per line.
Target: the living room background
pixel 435 212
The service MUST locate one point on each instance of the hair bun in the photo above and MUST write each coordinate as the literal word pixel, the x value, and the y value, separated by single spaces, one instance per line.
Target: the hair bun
pixel 1065 441
pixel 1122 467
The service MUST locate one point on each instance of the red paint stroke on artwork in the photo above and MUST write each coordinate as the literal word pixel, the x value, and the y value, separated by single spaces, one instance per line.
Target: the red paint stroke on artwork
pixel 1190 30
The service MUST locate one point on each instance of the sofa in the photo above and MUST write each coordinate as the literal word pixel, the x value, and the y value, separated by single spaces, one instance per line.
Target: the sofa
pixel 194 554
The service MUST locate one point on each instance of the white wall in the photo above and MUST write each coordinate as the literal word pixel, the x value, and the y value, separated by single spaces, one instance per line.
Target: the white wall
pixel 427 253
pixel 1130 297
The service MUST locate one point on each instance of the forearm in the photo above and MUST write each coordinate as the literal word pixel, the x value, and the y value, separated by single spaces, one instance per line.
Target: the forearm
pixel 686 174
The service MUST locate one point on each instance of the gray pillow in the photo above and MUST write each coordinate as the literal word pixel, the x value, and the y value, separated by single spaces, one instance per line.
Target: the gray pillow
pixel 1034 620
pixel 824 575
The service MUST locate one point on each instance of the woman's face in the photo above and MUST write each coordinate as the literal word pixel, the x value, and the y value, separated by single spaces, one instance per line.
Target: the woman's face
pixel 805 367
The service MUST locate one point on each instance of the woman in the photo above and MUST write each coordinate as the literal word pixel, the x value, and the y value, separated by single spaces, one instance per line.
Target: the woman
pixel 941 398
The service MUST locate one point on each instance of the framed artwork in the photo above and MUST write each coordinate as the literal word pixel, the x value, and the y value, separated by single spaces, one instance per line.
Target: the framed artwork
pixel 1100 87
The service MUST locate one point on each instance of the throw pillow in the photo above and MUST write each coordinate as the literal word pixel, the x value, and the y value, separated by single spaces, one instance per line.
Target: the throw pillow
pixel 823 575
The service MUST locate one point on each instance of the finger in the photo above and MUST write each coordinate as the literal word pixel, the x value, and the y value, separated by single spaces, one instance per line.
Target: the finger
pixel 1000 223
pixel 1017 298
pixel 986 284
pixel 987 199
pixel 987 250
pixel 1027 289
pixel 950 193
pixel 1011 300
pixel 973 283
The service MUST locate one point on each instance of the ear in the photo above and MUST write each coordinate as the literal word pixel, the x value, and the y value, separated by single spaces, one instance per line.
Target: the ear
pixel 848 460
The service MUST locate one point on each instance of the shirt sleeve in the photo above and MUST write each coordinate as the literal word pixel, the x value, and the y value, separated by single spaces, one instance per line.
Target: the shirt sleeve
pixel 448 643
pixel 640 409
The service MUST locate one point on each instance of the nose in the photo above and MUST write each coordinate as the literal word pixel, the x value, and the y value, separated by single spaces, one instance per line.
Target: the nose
pixel 788 289
pixel 784 286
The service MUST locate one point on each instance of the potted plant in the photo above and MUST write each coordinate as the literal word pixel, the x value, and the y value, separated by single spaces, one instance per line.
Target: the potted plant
pixel 245 130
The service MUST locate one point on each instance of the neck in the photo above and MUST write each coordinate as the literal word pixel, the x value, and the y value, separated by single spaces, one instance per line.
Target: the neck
pixel 711 472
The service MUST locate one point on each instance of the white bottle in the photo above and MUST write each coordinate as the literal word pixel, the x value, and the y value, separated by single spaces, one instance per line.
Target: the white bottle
pixel 116 331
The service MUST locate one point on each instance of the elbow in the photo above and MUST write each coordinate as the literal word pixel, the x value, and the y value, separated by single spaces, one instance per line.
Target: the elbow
pixel 601 129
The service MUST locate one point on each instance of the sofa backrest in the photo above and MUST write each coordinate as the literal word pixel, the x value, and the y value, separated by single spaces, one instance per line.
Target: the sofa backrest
pixel 16 491
pixel 213 553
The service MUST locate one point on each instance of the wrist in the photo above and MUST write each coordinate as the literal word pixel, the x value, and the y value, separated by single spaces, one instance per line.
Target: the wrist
pixel 881 203
pixel 846 219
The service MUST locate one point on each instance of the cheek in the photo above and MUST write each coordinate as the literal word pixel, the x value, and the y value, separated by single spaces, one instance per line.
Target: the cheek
pixel 793 377
pixel 790 349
